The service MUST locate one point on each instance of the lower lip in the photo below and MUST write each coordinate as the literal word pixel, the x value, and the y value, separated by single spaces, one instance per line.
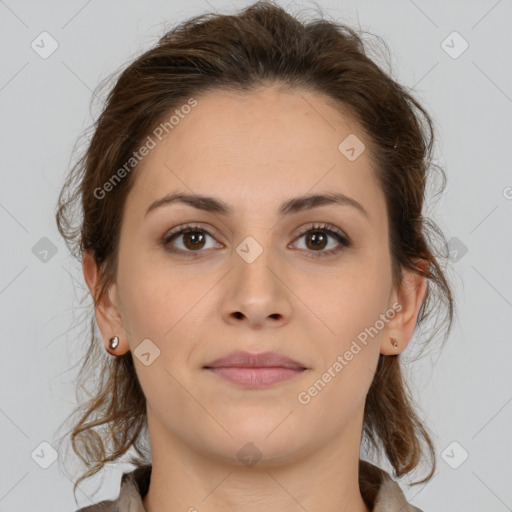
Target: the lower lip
pixel 255 377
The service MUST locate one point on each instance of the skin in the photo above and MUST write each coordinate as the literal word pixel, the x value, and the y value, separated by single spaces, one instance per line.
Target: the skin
pixel 254 152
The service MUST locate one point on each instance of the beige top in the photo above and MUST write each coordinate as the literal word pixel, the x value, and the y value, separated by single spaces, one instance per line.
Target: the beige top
pixel 379 491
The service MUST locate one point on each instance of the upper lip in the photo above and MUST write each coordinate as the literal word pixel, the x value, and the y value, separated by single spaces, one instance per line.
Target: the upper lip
pixel 246 359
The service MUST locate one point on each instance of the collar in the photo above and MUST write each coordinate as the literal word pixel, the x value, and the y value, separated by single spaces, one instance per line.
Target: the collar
pixel 379 491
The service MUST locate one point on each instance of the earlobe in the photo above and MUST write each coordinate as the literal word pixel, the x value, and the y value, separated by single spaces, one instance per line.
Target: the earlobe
pixel 391 346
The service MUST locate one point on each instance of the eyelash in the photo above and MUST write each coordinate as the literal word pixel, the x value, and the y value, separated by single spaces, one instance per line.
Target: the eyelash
pixel 343 240
pixel 327 228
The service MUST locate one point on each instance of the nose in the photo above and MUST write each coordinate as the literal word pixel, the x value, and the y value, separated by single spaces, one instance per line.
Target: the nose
pixel 257 293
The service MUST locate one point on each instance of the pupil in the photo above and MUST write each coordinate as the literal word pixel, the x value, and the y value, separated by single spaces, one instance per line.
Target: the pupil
pixel 314 236
pixel 195 238
pixel 193 235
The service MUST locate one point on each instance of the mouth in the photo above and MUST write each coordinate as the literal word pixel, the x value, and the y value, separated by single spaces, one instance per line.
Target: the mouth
pixel 255 370
pixel 252 377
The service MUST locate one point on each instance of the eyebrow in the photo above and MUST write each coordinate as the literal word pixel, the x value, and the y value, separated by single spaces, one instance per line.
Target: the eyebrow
pixel 294 205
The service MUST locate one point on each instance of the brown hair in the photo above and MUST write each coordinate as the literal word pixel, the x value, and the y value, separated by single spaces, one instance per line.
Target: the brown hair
pixel 258 46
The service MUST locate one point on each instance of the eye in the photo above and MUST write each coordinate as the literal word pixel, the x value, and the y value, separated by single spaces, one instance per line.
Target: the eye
pixel 317 236
pixel 193 239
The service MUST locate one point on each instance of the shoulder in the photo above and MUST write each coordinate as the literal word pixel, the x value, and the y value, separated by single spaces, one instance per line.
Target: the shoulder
pixel 102 506
pixel 134 486
pixel 380 492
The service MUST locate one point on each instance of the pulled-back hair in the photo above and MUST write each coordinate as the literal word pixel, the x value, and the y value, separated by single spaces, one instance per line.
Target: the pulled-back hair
pixel 258 46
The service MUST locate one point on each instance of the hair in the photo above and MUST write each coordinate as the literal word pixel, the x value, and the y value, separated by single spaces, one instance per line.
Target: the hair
pixel 256 47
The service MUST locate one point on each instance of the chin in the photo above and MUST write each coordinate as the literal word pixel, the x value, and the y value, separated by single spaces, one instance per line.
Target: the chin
pixel 269 445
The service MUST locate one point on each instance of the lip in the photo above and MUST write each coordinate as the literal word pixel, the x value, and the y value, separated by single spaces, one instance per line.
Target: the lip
pixel 250 360
pixel 255 370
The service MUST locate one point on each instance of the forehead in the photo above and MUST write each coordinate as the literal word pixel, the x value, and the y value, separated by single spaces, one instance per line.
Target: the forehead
pixel 250 148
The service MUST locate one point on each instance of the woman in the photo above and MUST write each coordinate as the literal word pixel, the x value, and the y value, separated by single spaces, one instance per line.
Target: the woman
pixel 253 240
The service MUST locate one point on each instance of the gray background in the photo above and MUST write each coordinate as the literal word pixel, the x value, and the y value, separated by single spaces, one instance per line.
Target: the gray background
pixel 464 390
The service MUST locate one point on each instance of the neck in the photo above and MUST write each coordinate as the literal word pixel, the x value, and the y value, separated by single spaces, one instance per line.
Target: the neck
pixel 186 479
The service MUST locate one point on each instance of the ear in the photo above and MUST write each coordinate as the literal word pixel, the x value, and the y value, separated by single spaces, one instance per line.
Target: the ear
pixel 409 294
pixel 108 316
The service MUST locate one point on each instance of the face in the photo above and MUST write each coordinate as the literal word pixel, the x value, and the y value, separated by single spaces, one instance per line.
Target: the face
pixel 256 279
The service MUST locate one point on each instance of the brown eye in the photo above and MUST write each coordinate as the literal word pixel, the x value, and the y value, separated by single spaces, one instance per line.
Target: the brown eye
pixel 193 240
pixel 316 240
pixel 188 239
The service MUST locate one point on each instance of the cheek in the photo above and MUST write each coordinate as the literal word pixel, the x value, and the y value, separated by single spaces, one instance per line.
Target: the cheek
pixel 348 336
pixel 153 298
pixel 345 306
pixel 168 307
pixel 347 353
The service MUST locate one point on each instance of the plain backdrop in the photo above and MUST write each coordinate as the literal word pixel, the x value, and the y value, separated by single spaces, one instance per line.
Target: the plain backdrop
pixel 464 391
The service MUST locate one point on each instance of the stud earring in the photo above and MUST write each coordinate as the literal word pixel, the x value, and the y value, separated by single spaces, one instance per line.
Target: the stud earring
pixel 112 344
